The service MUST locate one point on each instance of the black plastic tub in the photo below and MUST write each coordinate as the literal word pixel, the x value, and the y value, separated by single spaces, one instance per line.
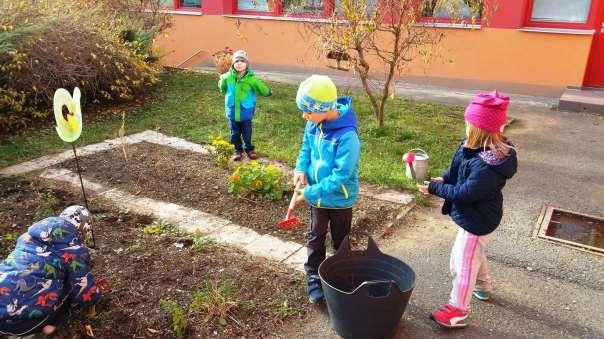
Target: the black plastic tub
pixel 366 291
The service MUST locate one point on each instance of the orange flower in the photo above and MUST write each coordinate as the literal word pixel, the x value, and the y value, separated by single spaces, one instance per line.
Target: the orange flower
pixel 235 178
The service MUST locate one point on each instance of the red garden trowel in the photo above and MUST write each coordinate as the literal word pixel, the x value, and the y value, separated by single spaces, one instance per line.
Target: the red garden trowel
pixel 290 221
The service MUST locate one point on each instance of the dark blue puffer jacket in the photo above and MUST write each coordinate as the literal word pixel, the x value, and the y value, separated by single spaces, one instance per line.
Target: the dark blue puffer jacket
pixel 472 188
pixel 48 267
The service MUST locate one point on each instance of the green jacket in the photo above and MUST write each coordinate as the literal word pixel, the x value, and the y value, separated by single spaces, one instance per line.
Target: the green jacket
pixel 240 94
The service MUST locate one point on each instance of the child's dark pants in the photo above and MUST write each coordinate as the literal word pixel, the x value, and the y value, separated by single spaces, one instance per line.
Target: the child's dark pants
pixel 338 220
pixel 241 130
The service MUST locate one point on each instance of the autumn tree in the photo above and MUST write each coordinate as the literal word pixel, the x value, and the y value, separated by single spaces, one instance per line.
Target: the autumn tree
pixel 381 37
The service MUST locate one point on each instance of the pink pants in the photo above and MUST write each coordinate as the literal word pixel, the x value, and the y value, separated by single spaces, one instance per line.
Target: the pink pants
pixel 469 268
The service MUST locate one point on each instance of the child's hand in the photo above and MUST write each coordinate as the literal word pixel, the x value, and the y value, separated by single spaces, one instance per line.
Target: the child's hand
pixel 300 179
pixel 437 179
pixel 424 188
pixel 299 192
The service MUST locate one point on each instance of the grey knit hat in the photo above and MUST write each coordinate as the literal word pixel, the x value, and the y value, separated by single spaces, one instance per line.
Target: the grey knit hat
pixel 79 216
pixel 240 55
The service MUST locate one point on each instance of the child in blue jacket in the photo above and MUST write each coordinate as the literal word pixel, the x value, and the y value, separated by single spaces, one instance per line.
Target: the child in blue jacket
pixel 471 187
pixel 328 165
pixel 48 272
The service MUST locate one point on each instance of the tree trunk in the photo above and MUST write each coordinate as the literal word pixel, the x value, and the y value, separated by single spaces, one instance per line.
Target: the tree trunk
pixel 362 68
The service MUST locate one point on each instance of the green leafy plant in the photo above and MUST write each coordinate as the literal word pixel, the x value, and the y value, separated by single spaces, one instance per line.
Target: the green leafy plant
pixel 7 243
pixel 255 179
pixel 222 150
pixel 48 203
pixel 157 227
pixel 284 309
pixel 177 315
pixel 215 300
pixel 201 243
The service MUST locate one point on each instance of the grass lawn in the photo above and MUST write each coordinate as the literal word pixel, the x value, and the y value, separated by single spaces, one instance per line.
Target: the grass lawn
pixel 189 105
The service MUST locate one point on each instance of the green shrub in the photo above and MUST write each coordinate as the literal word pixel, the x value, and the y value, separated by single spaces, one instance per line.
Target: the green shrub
pixel 255 179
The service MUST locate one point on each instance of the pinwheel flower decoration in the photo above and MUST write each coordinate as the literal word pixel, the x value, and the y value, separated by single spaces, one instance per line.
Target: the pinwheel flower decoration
pixel 69 125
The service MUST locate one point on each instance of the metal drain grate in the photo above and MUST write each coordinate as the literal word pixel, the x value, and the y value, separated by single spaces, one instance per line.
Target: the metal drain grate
pixel 569 228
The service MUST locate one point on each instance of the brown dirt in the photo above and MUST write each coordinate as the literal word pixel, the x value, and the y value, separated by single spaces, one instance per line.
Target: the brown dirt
pixel 193 180
pixel 143 269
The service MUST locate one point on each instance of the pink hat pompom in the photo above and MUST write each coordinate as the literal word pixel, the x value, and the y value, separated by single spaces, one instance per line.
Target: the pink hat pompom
pixel 488 111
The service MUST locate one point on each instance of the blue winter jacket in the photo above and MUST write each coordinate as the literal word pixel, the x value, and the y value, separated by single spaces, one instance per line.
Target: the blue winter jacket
pixel 330 159
pixel 472 188
pixel 48 267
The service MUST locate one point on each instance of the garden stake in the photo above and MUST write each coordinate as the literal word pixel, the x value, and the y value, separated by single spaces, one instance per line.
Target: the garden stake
pixel 83 191
pixel 290 221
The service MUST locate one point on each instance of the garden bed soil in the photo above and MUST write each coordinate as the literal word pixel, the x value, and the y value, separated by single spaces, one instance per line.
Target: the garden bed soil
pixel 142 269
pixel 194 180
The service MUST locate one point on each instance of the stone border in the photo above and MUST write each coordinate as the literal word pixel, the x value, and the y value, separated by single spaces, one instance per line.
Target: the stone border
pixel 191 220
pixel 178 143
pixel 187 219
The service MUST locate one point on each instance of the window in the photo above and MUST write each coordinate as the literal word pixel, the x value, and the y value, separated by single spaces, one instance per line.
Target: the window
pixel 575 11
pixel 303 6
pixel 282 7
pixel 254 5
pixel 190 3
pixel 371 7
pixel 572 14
pixel 460 9
pixel 166 3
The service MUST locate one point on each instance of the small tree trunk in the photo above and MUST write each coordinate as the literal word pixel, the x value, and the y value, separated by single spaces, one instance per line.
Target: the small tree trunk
pixel 362 68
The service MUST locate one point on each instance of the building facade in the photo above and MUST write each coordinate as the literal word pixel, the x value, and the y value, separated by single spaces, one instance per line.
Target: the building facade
pixel 536 47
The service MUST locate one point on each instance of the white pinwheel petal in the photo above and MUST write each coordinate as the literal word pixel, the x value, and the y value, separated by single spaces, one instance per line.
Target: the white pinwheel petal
pixel 66 131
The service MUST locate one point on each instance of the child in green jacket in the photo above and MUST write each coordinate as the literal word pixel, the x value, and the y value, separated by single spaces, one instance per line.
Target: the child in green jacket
pixel 240 85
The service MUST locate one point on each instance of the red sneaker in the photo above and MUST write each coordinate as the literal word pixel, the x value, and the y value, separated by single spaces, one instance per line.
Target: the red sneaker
pixel 450 316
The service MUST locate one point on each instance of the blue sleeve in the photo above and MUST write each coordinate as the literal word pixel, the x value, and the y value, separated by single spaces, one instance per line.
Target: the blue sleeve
pixel 80 280
pixel 476 187
pixel 303 160
pixel 454 166
pixel 346 158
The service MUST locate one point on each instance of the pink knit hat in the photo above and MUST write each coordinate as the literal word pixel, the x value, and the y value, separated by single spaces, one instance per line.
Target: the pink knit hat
pixel 488 111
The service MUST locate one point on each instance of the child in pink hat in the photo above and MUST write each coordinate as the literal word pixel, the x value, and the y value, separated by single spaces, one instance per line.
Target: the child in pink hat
pixel 472 186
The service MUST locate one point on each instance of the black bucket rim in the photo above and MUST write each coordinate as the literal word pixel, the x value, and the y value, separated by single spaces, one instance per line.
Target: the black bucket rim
pixel 372 249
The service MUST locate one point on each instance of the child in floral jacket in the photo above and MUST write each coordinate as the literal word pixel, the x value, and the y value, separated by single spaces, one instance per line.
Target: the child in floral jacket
pixel 47 272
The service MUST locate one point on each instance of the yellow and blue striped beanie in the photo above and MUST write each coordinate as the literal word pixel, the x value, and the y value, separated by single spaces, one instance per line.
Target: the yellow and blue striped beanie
pixel 317 94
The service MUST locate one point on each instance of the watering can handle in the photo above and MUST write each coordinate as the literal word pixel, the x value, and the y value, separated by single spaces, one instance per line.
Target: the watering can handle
pixel 419 149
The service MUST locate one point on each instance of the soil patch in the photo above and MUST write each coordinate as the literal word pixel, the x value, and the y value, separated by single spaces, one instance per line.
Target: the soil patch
pixel 194 180
pixel 143 269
